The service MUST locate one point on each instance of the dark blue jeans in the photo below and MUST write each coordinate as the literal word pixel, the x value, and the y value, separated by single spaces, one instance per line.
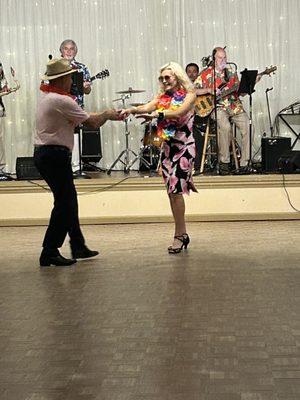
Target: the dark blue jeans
pixel 54 164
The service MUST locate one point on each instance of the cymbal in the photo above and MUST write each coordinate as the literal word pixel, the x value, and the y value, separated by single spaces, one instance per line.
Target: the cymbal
pixel 130 90
pixel 136 104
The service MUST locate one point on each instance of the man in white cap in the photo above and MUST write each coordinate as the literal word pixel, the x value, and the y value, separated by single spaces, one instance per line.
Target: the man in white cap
pixel 57 116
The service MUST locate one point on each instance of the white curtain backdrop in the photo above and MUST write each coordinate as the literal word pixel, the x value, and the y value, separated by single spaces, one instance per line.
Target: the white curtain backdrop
pixel 133 38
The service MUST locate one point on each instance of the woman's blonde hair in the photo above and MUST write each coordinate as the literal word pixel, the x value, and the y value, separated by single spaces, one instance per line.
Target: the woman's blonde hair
pixel 180 75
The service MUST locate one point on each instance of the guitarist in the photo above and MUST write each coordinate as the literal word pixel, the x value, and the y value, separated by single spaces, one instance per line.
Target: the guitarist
pixel 68 50
pixel 3 88
pixel 230 108
pixel 199 124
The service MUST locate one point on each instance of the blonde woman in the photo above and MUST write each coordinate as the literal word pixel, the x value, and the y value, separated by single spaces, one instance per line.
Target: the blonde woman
pixel 173 108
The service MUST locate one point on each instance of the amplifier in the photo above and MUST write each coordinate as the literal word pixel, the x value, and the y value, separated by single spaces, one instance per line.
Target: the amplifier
pixel 91 145
pixel 26 170
pixel 271 150
pixel 289 162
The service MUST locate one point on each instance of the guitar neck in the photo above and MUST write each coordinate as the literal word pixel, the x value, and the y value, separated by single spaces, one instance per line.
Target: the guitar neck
pixel 14 89
pixel 101 75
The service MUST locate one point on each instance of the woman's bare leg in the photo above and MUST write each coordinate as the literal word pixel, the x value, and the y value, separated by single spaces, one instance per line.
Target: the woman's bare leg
pixel 178 210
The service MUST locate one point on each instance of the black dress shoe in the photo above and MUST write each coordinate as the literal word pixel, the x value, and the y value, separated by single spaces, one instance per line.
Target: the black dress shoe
pixel 57 260
pixel 224 169
pixel 245 170
pixel 84 252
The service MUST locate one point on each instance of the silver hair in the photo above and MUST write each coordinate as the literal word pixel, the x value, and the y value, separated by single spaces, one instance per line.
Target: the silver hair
pixel 67 41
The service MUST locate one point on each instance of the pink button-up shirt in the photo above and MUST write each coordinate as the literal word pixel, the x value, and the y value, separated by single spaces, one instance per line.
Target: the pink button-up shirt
pixel 57 116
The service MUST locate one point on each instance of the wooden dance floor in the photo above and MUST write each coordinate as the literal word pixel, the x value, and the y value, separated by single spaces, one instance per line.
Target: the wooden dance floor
pixel 220 321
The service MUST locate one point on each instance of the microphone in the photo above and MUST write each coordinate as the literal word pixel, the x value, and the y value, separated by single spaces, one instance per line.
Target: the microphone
pixel 206 61
pixel 269 89
pixel 232 63
pixel 50 57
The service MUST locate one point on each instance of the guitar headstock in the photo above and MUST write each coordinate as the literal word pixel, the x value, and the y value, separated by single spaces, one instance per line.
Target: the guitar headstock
pixel 102 74
pixel 269 70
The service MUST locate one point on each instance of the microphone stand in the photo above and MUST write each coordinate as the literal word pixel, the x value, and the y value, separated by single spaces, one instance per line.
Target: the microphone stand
pixel 216 113
pixel 268 105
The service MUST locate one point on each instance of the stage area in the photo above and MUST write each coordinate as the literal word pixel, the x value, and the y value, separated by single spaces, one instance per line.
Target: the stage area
pixel 130 198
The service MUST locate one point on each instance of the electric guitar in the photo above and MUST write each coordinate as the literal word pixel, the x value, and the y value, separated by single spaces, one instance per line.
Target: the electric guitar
pixel 101 75
pixel 205 104
pixel 13 89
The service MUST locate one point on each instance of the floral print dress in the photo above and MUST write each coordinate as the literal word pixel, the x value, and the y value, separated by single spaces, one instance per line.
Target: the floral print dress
pixel 178 148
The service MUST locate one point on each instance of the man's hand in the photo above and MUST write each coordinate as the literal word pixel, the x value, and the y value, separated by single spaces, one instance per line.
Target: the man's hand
pixel 87 87
pixel 113 115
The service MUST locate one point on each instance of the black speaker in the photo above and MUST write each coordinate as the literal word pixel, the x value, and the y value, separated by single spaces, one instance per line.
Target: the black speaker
pixel 91 145
pixel 289 162
pixel 271 149
pixel 26 170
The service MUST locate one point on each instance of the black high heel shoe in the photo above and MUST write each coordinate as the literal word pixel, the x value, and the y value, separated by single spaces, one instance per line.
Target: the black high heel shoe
pixel 184 239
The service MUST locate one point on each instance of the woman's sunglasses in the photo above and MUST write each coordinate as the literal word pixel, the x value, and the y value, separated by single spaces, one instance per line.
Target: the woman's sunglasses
pixel 164 78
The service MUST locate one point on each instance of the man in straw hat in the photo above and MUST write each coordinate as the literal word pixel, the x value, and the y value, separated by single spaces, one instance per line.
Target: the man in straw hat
pixel 57 116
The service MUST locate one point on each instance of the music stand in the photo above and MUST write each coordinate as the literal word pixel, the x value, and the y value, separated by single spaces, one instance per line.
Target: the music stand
pixel 247 84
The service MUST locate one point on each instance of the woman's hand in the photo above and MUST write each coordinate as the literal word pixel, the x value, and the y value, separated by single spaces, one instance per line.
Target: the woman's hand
pixel 125 112
pixel 147 117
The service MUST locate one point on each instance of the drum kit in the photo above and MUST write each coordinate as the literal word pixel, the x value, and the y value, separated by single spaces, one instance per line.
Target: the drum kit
pixel 151 143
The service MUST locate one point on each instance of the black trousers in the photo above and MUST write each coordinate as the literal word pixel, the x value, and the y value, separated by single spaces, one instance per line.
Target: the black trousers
pixel 54 164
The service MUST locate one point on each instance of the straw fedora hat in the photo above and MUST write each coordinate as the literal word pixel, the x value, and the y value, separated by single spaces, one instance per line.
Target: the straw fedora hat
pixel 56 68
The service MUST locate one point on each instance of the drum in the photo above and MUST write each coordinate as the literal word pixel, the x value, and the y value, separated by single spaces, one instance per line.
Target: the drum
pixel 150 136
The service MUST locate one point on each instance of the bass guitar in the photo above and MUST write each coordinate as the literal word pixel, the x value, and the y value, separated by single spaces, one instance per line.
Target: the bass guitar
pixel 205 104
